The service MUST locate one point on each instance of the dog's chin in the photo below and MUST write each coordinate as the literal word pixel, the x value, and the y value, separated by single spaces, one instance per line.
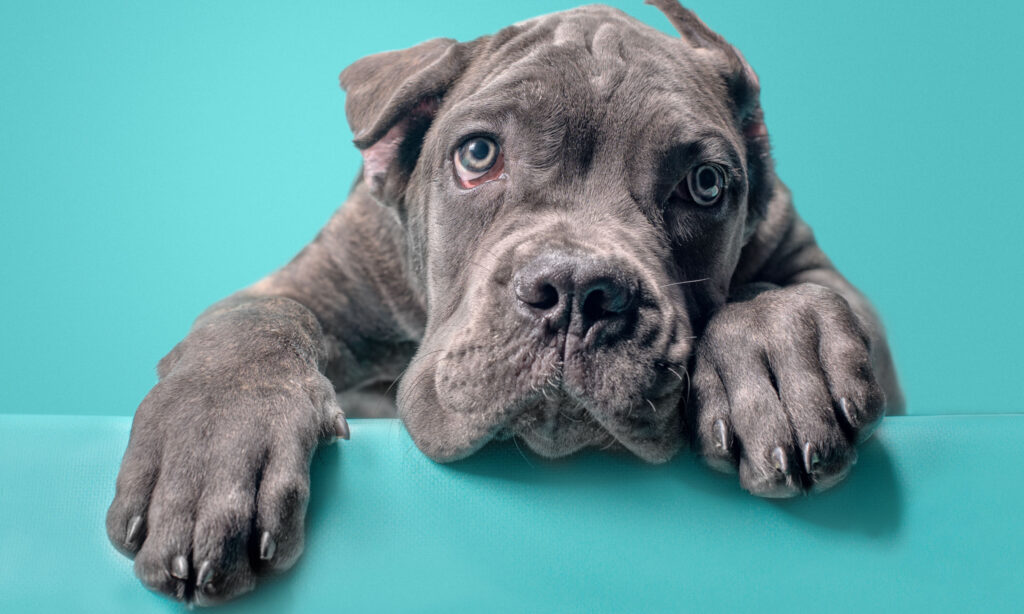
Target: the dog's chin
pixel 548 443
pixel 559 445
pixel 556 428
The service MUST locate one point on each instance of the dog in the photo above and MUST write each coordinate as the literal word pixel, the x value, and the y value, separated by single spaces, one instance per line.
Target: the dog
pixel 570 233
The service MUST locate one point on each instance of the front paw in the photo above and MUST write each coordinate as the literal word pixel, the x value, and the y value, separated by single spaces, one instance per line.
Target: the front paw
pixel 783 390
pixel 213 487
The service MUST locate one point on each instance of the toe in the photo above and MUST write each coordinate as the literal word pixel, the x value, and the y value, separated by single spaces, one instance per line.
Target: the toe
pixel 762 434
pixel 821 451
pixel 163 563
pixel 281 509
pixel 771 472
pixel 220 548
pixel 711 429
pixel 126 517
pixel 858 400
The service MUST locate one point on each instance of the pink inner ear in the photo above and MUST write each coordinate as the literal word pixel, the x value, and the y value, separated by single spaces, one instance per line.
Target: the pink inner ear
pixel 377 158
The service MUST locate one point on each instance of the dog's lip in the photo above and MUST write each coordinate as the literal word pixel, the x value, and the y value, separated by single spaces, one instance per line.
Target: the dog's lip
pixel 549 445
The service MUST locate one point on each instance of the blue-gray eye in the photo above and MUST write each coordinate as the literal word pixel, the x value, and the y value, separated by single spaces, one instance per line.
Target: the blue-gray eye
pixel 477 155
pixel 706 184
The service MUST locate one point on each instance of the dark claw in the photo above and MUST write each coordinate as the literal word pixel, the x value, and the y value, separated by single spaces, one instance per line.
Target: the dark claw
pixel 341 426
pixel 779 461
pixel 852 417
pixel 811 458
pixel 205 574
pixel 134 529
pixel 179 567
pixel 721 435
pixel 849 413
pixel 267 545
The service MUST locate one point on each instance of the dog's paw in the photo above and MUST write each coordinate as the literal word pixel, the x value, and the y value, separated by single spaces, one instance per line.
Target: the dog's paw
pixel 213 487
pixel 783 390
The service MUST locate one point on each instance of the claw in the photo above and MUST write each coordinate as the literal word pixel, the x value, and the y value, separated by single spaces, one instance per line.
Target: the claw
pixel 205 574
pixel 849 412
pixel 721 435
pixel 179 567
pixel 341 426
pixel 267 546
pixel 779 461
pixel 134 529
pixel 852 417
pixel 811 458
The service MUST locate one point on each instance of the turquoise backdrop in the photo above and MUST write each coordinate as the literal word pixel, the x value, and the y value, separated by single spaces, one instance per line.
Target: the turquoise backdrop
pixel 155 157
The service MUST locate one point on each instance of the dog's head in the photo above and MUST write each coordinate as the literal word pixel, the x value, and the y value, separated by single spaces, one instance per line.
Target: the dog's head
pixel 575 191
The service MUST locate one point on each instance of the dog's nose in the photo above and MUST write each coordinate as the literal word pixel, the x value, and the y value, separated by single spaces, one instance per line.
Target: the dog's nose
pixel 564 289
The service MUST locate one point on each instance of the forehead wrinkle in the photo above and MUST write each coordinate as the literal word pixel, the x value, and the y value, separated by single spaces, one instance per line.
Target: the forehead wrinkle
pixel 596 77
pixel 591 39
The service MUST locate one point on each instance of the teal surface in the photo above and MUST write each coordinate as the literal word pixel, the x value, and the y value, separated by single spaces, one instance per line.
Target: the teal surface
pixel 155 157
pixel 929 521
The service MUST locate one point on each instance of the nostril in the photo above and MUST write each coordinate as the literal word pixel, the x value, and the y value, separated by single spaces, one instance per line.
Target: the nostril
pixel 594 305
pixel 605 299
pixel 546 297
pixel 538 294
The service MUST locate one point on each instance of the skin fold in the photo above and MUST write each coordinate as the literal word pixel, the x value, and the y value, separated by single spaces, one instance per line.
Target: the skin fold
pixel 575 295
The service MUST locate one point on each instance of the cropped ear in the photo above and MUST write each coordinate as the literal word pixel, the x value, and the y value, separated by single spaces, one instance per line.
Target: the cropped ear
pixel 744 88
pixel 391 99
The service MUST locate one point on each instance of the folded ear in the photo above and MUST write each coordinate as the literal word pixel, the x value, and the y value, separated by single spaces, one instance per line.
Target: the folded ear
pixel 744 89
pixel 391 98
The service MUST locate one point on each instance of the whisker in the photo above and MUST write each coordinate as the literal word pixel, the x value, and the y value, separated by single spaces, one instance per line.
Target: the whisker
pixel 481 266
pixel 521 451
pixel 653 408
pixel 688 281
pixel 399 377
pixel 687 372
pixel 490 252
pixel 674 372
pixel 562 413
pixel 427 371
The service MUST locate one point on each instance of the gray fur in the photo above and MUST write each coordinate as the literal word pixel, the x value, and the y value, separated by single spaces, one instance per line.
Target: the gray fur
pixel 728 327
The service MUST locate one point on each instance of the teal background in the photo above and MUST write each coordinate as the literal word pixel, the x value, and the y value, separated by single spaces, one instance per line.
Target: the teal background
pixel 923 524
pixel 155 157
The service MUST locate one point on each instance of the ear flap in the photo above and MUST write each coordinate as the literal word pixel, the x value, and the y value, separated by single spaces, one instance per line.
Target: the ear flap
pixel 745 89
pixel 391 99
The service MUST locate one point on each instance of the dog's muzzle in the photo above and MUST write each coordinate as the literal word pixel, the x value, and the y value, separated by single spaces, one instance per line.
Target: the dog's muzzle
pixel 566 342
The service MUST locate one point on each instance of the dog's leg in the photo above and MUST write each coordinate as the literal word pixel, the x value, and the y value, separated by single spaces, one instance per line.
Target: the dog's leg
pixel 213 486
pixel 793 370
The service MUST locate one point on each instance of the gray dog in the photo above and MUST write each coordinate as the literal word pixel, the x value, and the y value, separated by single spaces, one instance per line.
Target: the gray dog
pixel 569 232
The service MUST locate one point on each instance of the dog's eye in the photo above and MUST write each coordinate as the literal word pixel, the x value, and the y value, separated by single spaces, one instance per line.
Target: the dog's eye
pixel 705 184
pixel 477 155
pixel 477 161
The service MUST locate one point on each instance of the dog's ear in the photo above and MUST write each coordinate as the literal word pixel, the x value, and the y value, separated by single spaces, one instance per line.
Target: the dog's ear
pixel 744 88
pixel 391 98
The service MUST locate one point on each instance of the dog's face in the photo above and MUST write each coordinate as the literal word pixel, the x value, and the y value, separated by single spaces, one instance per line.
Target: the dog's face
pixel 576 191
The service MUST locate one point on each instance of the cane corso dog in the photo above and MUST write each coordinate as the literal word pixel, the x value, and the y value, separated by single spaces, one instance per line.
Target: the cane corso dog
pixel 569 233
